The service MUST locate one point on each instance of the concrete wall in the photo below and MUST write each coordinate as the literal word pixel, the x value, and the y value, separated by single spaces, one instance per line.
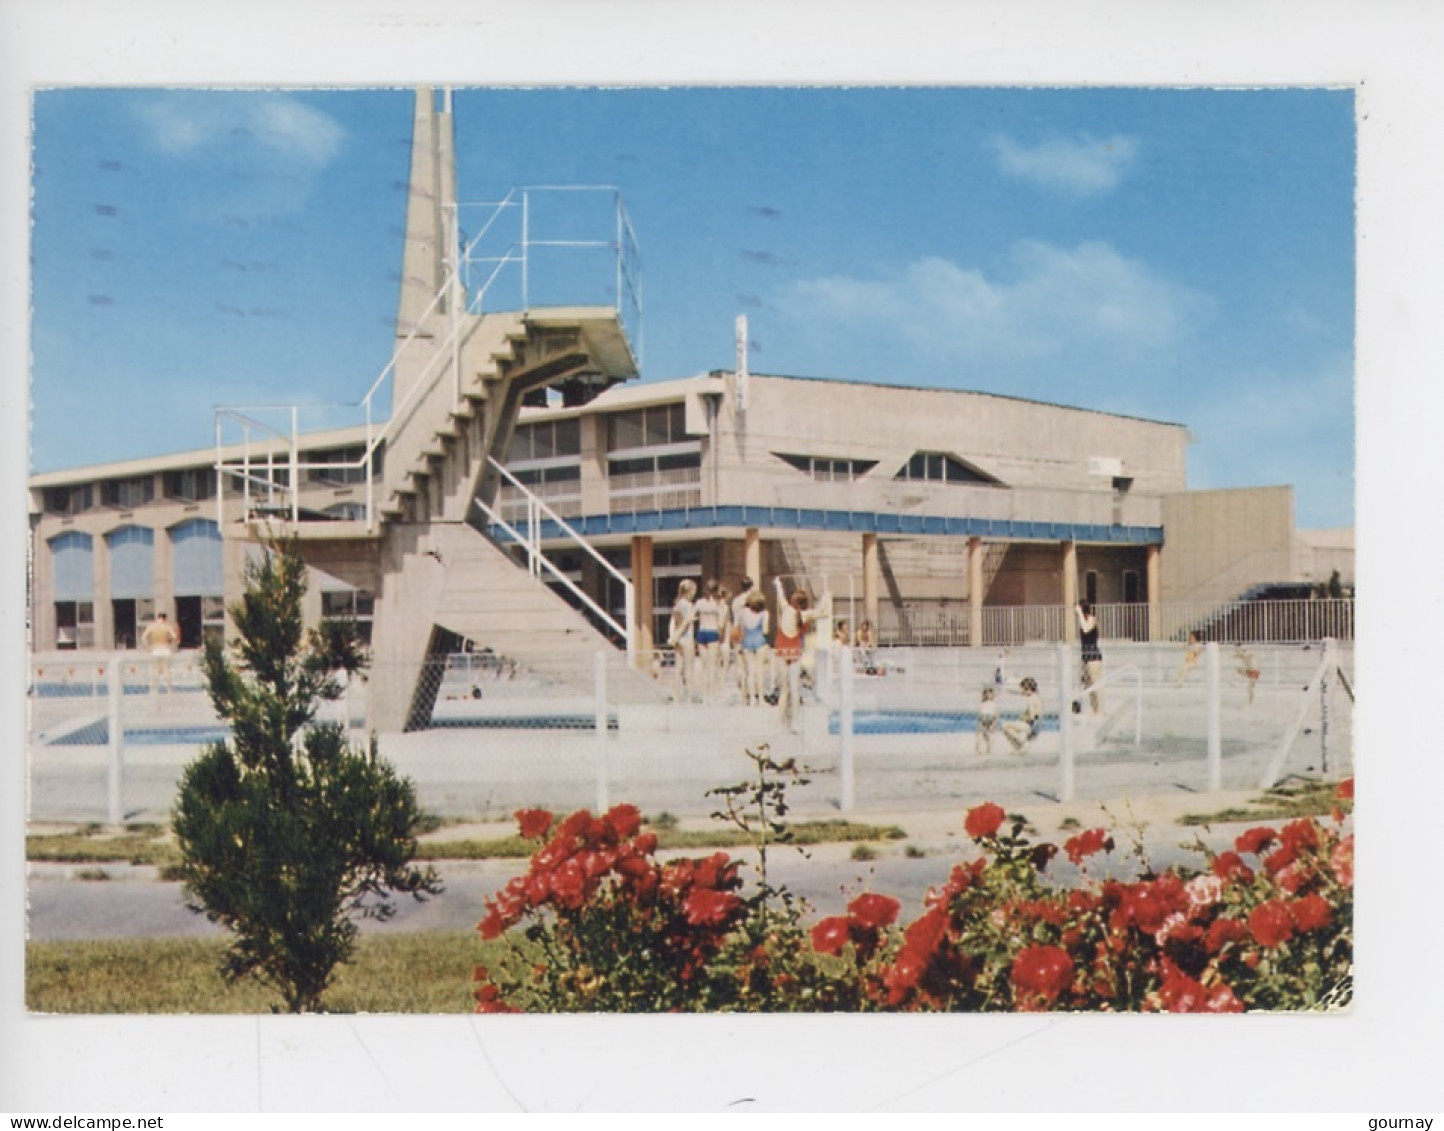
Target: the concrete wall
pixel 1219 543
pixel 1043 455
pixel 1318 553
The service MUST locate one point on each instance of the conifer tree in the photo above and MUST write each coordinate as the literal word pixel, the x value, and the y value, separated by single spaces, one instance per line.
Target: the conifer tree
pixel 287 833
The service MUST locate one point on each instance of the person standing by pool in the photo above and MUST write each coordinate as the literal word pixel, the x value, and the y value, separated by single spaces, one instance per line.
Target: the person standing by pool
pixel 161 638
pixel 1247 667
pixel 752 623
pixel 987 720
pixel 1092 654
pixel 682 639
pixel 787 648
pixel 711 611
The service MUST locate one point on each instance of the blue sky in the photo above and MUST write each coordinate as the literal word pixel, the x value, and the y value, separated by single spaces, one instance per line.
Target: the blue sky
pixel 1178 255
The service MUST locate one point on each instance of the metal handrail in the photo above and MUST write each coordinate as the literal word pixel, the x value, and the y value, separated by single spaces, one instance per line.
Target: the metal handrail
pixel 537 506
pixel 536 561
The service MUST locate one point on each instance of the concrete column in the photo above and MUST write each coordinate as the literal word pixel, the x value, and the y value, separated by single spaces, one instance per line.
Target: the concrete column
pixel 870 578
pixel 642 588
pixel 1155 594
pixel 752 555
pixel 594 463
pixel 100 594
pixel 975 592
pixel 1070 590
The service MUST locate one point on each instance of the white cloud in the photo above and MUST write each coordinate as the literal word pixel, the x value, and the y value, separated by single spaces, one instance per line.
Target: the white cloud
pixel 1045 302
pixel 275 124
pixel 1084 165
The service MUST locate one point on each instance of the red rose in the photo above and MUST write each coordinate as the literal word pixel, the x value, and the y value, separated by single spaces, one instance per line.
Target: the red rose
pixel 1311 912
pixel 569 884
pixel 1341 861
pixel 624 819
pixel 1148 905
pixel 1300 834
pixel 1271 924
pixel 1179 993
pixel 903 976
pixel 715 872
pixel 1229 866
pixel 1345 792
pixel 925 934
pixel 492 926
pixel 873 910
pixel 984 821
pixel 1221 999
pixel 646 844
pixel 1041 973
pixel 1223 931
pixel 1255 840
pixel 830 935
pixel 1087 843
pixel 707 908
pixel 534 823
pixel 1280 858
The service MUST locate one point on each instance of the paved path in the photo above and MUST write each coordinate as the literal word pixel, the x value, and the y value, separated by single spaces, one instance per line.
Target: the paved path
pixel 134 904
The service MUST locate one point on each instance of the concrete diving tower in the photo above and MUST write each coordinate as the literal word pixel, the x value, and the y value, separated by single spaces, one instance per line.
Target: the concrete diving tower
pixel 458 379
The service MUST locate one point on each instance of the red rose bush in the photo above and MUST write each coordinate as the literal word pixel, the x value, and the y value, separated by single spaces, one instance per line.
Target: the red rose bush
pixel 1266 925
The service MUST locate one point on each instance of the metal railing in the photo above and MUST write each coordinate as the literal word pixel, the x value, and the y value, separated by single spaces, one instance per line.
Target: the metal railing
pixel 259 441
pixel 529 537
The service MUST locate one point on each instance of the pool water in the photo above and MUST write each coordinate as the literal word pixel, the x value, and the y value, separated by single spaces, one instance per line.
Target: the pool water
pixel 923 722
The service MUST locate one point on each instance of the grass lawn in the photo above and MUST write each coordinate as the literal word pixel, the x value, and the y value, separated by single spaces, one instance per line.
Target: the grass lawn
pixel 1300 797
pixel 151 844
pixel 422 972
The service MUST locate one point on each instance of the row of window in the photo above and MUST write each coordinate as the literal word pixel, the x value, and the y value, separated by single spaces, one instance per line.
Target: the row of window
pixel 652 427
pixel 341 467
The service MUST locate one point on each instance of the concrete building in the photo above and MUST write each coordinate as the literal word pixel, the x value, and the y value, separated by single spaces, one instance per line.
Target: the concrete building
pixel 938 516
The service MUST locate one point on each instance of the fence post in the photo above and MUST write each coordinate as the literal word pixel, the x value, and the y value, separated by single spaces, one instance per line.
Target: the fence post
pixel 1325 688
pixel 1214 723
pixel 847 764
pixel 599 669
pixel 1065 723
pixel 115 740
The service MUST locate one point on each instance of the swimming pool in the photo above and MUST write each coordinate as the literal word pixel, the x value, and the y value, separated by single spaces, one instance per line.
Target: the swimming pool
pixel 98 734
pixel 922 722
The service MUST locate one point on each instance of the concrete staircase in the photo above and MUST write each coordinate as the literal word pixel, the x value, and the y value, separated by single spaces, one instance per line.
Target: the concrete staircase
pixel 437 567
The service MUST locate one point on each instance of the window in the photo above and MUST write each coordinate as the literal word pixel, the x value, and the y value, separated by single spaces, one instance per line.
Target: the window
pixel 128 493
pixel 191 484
pixel 74 624
pixel 651 427
pixel 259 476
pixel 546 439
pixel 350 465
pixel 353 604
pixel 1132 590
pixel 68 500
pixel 937 467
pixel 346 512
pixel 128 618
pixel 200 619
pixel 829 470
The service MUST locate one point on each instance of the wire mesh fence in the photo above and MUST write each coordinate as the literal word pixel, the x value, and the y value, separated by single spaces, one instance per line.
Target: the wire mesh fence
pixel 879 729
